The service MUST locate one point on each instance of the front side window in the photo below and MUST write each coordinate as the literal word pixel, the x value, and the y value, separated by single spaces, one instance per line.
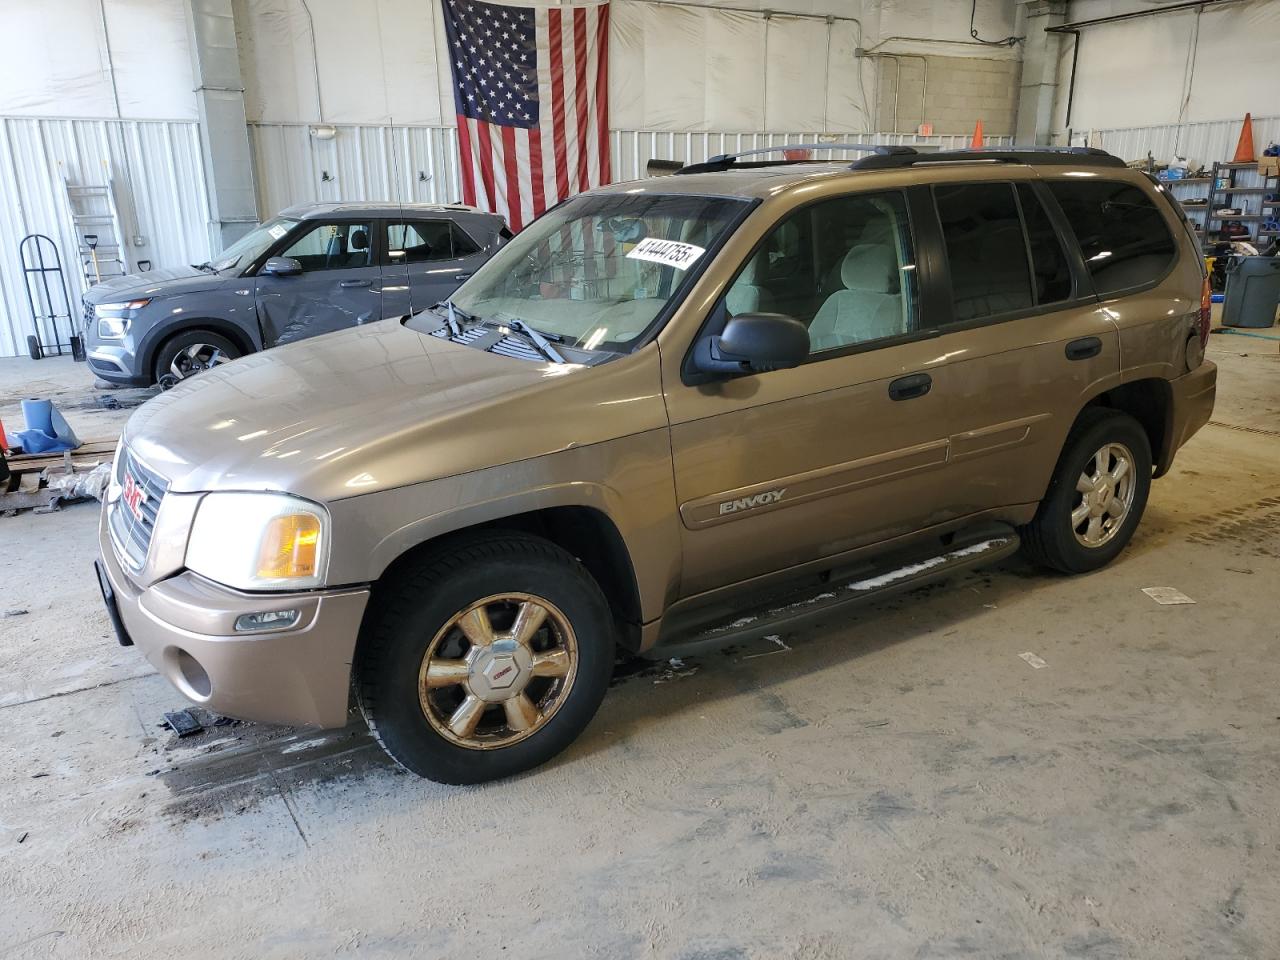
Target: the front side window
pixel 596 271
pixel 1122 235
pixel 985 249
pixel 844 268
pixel 332 246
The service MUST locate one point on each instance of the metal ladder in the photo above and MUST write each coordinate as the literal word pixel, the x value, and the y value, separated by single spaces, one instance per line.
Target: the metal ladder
pixel 95 215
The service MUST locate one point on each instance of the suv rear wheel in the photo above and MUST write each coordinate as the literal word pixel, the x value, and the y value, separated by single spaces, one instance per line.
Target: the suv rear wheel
pixel 485 661
pixel 1097 494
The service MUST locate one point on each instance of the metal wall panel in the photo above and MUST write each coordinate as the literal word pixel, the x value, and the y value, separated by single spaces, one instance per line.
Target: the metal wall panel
pixel 370 162
pixel 159 180
pixel 1199 143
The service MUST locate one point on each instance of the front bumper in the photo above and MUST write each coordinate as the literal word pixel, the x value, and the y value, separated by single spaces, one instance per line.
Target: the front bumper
pixel 185 626
pixel 1192 396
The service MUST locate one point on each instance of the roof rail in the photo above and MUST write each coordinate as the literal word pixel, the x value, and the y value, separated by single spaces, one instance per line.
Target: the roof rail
pixel 728 161
pixel 1058 156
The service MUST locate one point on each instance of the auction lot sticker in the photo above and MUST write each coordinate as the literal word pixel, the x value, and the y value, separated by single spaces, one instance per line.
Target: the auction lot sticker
pixel 669 253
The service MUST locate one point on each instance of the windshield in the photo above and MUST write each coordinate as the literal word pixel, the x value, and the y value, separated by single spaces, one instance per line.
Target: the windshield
pixel 253 244
pixel 596 271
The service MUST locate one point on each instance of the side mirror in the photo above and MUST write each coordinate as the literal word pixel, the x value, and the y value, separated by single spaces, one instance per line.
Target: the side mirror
pixel 282 267
pixel 753 343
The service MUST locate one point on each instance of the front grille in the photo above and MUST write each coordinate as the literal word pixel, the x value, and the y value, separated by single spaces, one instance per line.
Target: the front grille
pixel 132 535
pixel 88 318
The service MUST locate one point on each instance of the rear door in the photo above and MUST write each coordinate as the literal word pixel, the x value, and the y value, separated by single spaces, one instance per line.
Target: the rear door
pixel 426 260
pixel 1027 338
pixel 339 287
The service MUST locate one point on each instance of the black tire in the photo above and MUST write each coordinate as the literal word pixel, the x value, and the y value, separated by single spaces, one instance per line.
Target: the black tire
pixel 1050 539
pixel 175 345
pixel 410 610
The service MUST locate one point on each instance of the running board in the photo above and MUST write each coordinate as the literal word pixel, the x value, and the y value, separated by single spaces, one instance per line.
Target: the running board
pixel 873 581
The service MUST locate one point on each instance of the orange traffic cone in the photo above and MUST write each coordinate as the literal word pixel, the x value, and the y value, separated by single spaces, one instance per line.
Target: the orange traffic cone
pixel 977 143
pixel 1244 149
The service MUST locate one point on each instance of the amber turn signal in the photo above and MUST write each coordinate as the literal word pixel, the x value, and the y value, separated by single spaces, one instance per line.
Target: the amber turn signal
pixel 289 547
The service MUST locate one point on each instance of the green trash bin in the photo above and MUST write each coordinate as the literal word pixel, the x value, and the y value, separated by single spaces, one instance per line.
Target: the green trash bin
pixel 1253 292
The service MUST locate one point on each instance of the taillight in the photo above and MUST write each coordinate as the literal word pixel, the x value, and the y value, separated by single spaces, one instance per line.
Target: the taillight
pixel 1206 311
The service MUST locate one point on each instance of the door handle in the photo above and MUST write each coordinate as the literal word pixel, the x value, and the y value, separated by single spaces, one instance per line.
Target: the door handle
pixel 1084 348
pixel 354 283
pixel 910 387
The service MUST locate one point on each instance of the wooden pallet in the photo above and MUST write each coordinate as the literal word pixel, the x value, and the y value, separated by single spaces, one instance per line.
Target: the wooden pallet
pixel 84 454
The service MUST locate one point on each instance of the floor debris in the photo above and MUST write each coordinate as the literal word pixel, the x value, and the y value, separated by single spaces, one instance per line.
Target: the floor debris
pixel 1032 659
pixel 1167 595
pixel 777 641
pixel 15 613
pixel 183 722
pixel 23 838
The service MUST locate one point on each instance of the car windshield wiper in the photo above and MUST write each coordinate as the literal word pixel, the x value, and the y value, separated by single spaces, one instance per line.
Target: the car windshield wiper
pixel 453 315
pixel 207 267
pixel 537 338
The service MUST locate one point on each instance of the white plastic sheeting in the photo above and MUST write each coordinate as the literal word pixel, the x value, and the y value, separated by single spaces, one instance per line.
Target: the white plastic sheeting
pixel 1162 69
pixel 157 169
pixel 419 164
pixel 681 68
pixel 55 59
pixel 330 60
pixel 1199 143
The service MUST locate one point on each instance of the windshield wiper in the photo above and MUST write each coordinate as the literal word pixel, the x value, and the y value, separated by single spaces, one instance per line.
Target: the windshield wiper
pixel 539 340
pixel 452 314
pixel 206 266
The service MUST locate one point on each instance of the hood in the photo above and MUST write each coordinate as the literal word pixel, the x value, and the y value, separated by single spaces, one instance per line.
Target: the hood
pixel 153 283
pixel 379 407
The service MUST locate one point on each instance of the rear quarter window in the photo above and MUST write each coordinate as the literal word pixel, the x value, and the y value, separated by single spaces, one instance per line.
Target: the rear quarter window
pixel 1121 232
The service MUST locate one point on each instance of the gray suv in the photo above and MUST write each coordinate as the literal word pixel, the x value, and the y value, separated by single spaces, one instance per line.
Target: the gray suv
pixel 313 269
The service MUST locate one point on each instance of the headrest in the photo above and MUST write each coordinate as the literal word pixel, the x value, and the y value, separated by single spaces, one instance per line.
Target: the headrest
pixel 868 267
pixel 754 268
pixel 359 240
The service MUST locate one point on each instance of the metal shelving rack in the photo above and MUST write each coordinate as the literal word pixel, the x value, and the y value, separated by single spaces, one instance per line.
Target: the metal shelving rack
pixel 1223 193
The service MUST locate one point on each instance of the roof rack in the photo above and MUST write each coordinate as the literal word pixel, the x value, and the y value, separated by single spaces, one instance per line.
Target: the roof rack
pixel 728 161
pixel 897 157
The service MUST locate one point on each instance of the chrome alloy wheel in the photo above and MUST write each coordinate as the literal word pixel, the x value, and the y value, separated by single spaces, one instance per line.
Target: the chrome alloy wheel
pixel 199 356
pixel 498 671
pixel 1105 491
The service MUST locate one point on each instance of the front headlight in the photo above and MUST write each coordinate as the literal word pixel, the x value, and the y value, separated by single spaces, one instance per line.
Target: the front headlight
pixel 259 541
pixel 113 318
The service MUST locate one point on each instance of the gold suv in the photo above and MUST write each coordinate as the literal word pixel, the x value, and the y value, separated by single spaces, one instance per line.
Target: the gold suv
pixel 668 414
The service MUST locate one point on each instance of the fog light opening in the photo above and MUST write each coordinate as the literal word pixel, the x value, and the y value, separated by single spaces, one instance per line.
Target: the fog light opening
pixel 266 620
pixel 194 676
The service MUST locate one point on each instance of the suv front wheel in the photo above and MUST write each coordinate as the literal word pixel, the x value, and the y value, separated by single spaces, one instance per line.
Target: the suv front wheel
pixel 486 660
pixel 1097 494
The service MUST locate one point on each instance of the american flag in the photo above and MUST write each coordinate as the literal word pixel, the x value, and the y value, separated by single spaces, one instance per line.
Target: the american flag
pixel 530 85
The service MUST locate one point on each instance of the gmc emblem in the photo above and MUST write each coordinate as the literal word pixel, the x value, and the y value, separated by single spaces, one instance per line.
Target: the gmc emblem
pixel 133 496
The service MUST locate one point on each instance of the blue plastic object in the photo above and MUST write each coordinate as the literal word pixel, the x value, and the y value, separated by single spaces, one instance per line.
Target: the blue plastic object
pixel 47 430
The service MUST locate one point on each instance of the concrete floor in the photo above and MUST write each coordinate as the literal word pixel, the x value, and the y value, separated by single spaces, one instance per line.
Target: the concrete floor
pixel 896 784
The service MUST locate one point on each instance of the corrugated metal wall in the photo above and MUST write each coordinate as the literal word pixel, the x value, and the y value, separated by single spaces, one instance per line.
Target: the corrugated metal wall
pixel 367 162
pixel 1200 143
pixel 158 172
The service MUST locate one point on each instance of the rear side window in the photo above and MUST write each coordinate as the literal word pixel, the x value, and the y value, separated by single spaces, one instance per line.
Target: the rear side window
pixel 1049 268
pixel 1121 232
pixel 985 249
pixel 421 241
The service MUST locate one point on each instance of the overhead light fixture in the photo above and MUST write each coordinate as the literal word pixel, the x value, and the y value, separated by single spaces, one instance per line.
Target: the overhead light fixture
pixel 323 132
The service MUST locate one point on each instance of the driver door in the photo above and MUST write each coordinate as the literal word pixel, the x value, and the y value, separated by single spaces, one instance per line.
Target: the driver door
pixel 781 468
pixel 340 285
